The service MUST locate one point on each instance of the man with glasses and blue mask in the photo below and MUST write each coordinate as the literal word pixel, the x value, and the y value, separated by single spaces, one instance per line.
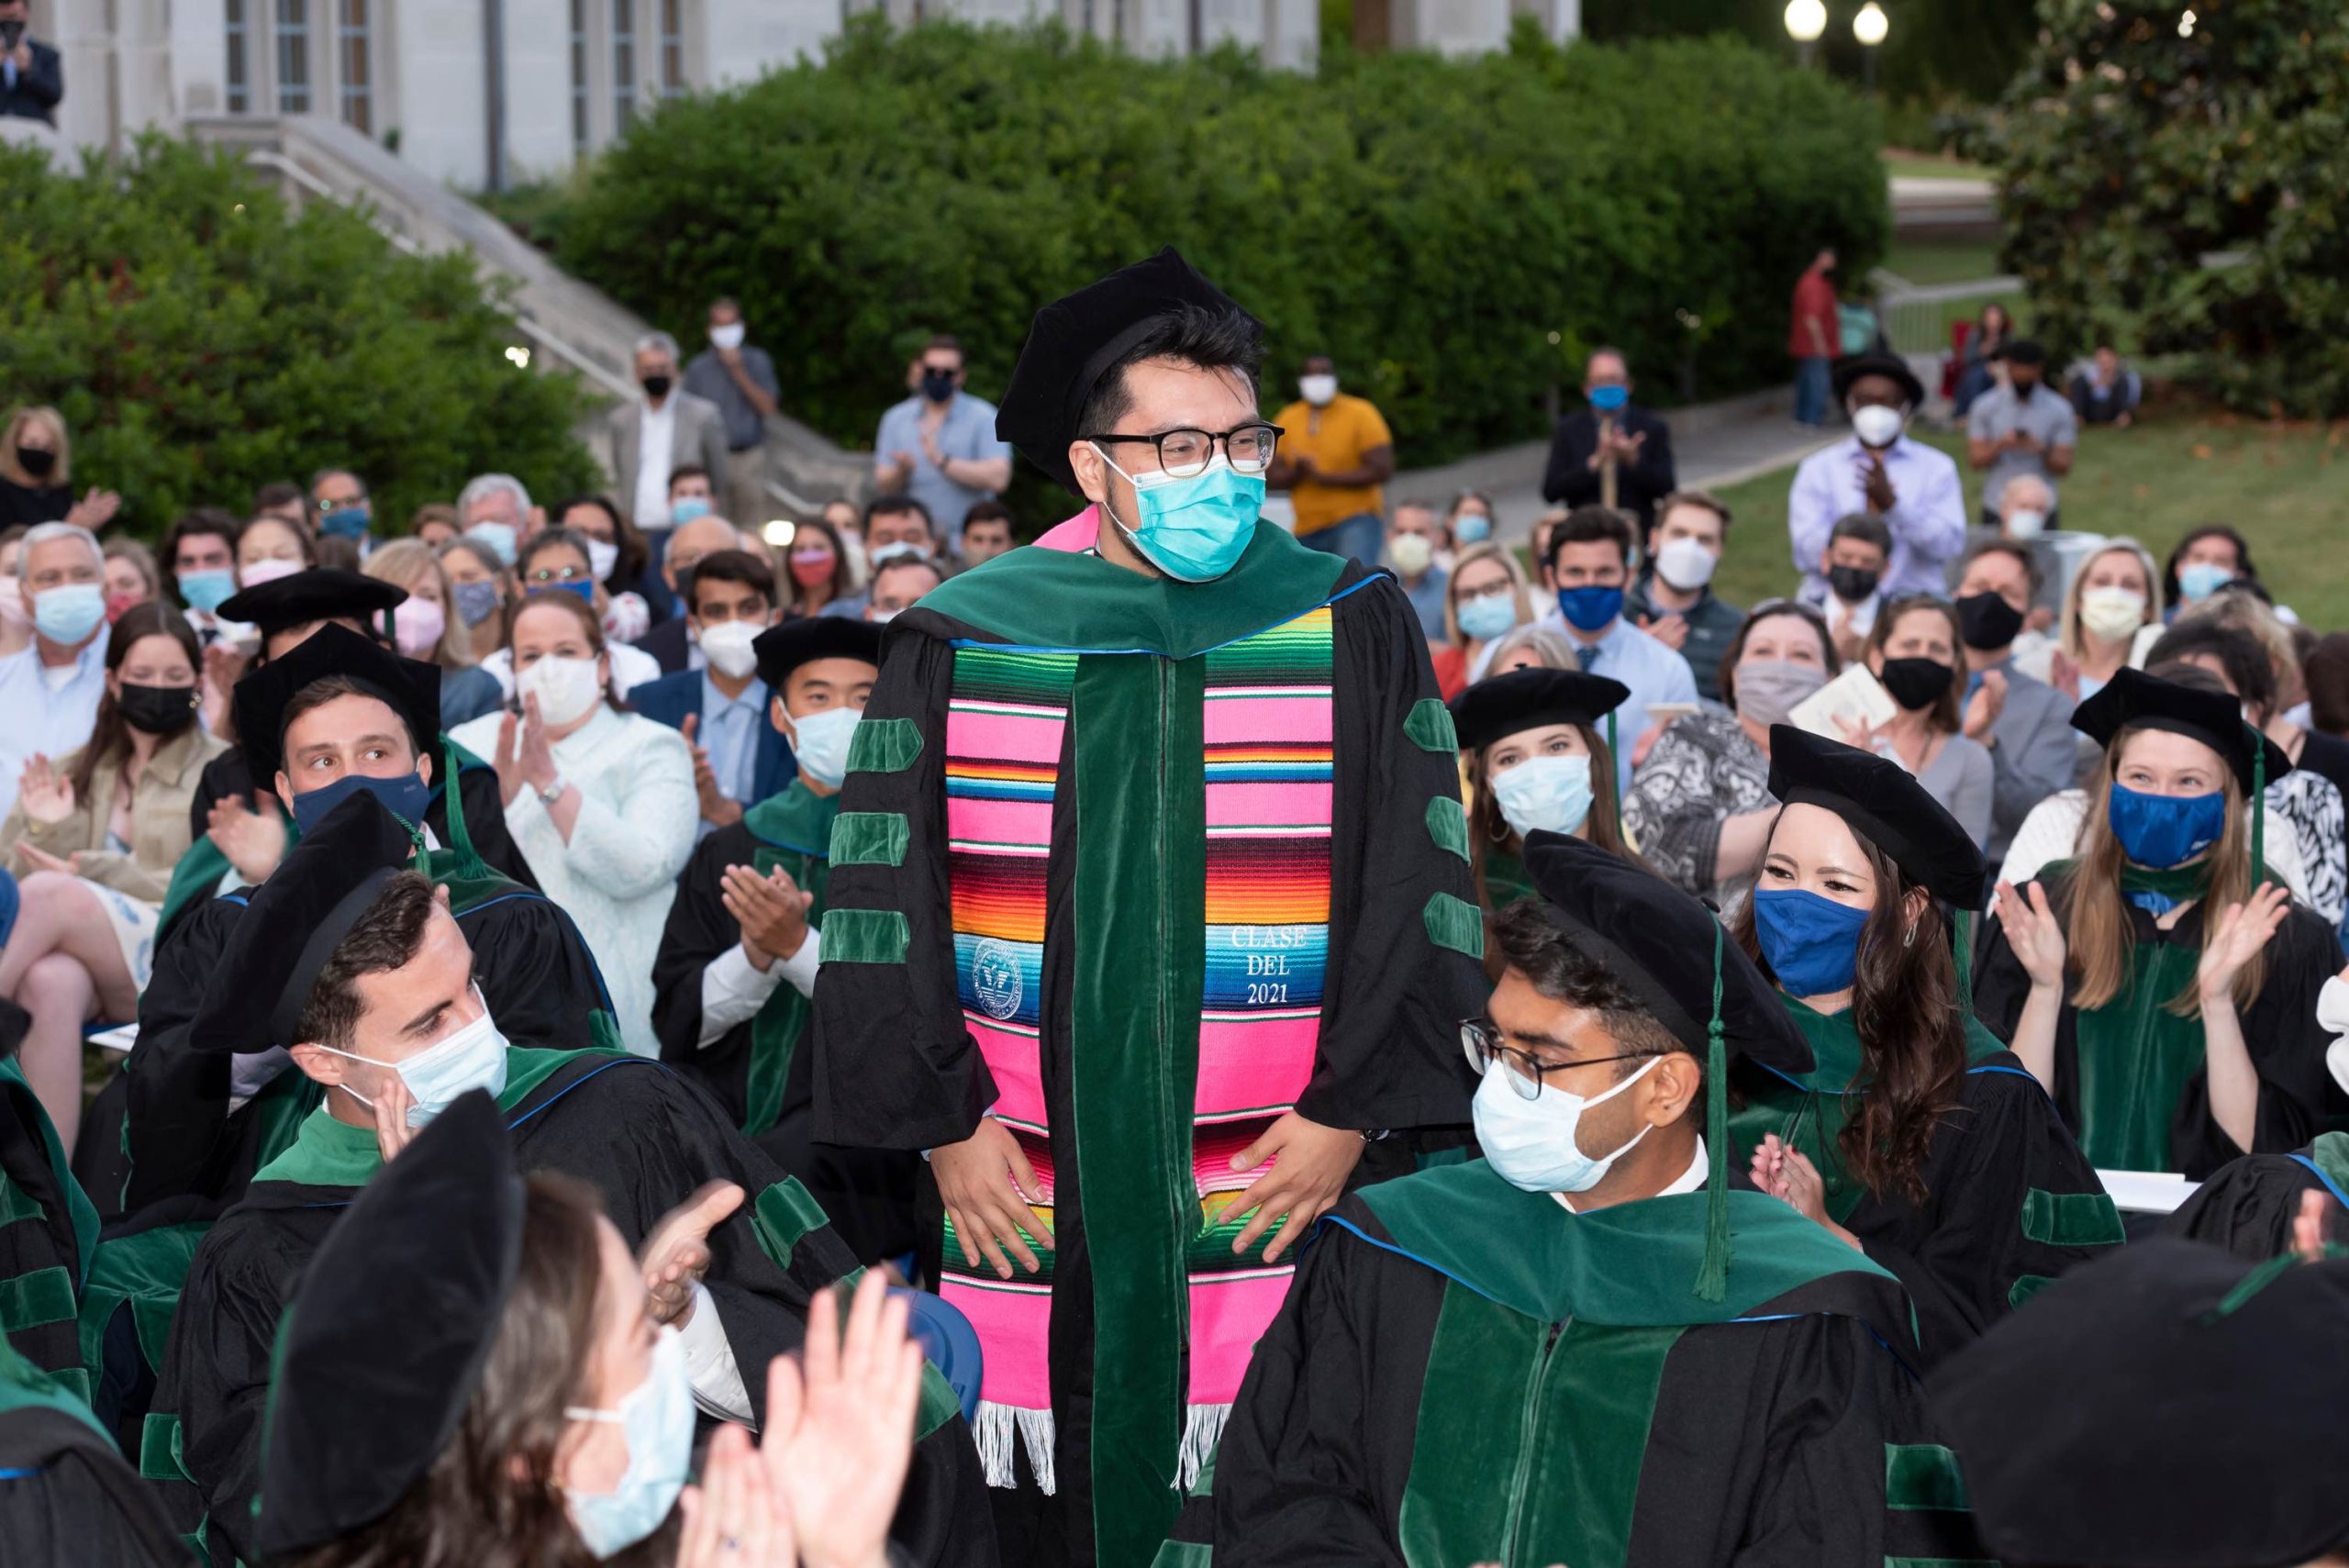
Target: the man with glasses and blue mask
pixel 1149 867
pixel 1612 453
pixel 1594 1344
pixel 354 963
pixel 50 688
pixel 340 506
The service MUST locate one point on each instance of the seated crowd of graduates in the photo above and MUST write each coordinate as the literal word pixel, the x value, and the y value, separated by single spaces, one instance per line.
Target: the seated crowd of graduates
pixel 1661 1233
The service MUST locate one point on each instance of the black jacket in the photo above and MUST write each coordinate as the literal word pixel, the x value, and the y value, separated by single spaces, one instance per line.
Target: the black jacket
pixel 35 96
pixel 1570 481
pixel 668 644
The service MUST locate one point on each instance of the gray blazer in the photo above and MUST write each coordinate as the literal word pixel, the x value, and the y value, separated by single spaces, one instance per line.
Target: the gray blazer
pixel 700 442
pixel 2033 755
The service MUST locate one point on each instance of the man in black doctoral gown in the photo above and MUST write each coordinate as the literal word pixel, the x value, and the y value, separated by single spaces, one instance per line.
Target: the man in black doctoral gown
pixel 1584 1348
pixel 354 965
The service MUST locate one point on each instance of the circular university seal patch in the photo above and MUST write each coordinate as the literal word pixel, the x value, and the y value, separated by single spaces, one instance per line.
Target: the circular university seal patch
pixel 995 976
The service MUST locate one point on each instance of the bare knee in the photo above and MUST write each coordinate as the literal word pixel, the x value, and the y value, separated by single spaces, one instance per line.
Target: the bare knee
pixel 57 982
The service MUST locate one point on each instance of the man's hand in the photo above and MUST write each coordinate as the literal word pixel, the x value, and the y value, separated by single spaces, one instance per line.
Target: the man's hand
pixel 1312 1164
pixel 771 910
pixel 1877 485
pixel 1670 631
pixel 982 1182
pixel 839 1435
pixel 1300 469
pixel 716 808
pixel 904 461
pixel 252 839
pixel 1983 710
pixel 392 1104
pixel 676 1253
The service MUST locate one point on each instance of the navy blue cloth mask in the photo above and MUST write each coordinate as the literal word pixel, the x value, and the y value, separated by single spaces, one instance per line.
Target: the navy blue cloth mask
pixel 1812 943
pixel 406 797
pixel 1590 609
pixel 2166 831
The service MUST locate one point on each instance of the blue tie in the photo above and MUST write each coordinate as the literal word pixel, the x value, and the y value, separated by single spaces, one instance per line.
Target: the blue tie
pixel 1586 656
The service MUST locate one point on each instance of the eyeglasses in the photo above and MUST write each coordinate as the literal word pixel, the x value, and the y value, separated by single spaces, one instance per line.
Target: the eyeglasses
pixel 1184 454
pixel 1480 1040
pixel 559 574
pixel 326 503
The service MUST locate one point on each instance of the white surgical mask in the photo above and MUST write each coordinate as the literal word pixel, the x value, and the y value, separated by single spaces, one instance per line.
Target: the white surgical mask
pixel 1877 426
pixel 820 744
pixel 727 646
pixel 566 688
pixel 2112 612
pixel 1411 553
pixel 880 554
pixel 1531 1143
pixel 472 1057
pixel 727 336
pixel 1685 564
pixel 880 616
pixel 1549 795
pixel 2026 522
pixel 1317 389
pixel 602 558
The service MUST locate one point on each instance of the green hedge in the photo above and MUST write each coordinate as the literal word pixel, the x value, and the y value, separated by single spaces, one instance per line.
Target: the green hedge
pixel 203 341
pixel 1455 233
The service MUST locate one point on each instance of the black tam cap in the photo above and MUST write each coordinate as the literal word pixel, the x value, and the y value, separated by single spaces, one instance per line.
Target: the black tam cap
pixel 1882 801
pixel 411 686
pixel 1528 699
pixel 2170 1405
pixel 294 923
pixel 1849 368
pixel 384 1346
pixel 318 593
pixel 783 649
pixel 2215 718
pixel 1072 342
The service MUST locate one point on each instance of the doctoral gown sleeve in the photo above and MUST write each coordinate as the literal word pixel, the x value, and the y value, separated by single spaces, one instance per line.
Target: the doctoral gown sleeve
pixel 698 929
pixel 2287 1047
pixel 1405 934
pixel 535 970
pixel 177 1113
pixel 2249 1207
pixel 894 1066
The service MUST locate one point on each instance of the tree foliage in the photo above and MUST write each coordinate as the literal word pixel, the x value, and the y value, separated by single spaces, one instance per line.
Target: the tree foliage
pixel 2191 192
pixel 1454 232
pixel 201 340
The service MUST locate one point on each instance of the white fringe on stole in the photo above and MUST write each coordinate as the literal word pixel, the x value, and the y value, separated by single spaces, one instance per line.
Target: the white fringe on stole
pixel 1202 1429
pixel 994 1432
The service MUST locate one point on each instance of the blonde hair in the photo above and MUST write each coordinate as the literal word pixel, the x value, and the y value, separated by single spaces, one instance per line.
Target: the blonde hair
pixel 2069 635
pixel 1469 557
pixel 14 471
pixel 2242 610
pixel 401 562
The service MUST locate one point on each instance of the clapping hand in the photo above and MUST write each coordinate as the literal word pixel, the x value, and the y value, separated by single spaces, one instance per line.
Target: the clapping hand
pixel 1877 485
pixel 840 1434
pixel 2033 934
pixel 770 910
pixel 716 808
pixel 1859 734
pixel 676 1254
pixel 252 839
pixel 2240 932
pixel 1989 701
pixel 95 510
pixel 735 1518
pixel 524 757
pixel 1788 1174
pixel 45 794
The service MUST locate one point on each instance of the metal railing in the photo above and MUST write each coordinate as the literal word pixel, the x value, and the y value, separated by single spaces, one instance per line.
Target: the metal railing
pixel 1915 317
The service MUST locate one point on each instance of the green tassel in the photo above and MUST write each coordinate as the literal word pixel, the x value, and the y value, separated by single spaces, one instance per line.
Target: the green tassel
pixel 1713 1279
pixel 1966 960
pixel 469 865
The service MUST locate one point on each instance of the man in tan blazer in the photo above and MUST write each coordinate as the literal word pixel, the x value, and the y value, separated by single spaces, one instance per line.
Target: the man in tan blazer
pixel 665 429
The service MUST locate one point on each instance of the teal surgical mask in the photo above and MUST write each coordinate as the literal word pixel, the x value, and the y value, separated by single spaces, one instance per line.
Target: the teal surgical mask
pixel 1487 616
pixel 208 589
pixel 656 1421
pixel 821 741
pixel 472 1057
pixel 70 612
pixel 1193 530
pixel 1549 795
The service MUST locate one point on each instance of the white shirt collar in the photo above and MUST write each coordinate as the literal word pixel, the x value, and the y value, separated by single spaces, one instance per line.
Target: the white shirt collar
pixel 1688 1181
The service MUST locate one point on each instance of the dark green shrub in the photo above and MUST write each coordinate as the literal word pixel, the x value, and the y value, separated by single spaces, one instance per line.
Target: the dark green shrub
pixel 203 341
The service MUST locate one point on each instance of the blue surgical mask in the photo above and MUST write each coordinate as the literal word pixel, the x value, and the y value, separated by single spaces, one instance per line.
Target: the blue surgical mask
pixel 499 536
pixel 686 511
pixel 1193 530
pixel 1590 608
pixel 344 522
pixel 582 586
pixel 820 744
pixel 656 1419
pixel 2166 831
pixel 1471 528
pixel 1531 1143
pixel 2201 579
pixel 1550 795
pixel 209 589
pixel 1812 943
pixel 69 612
pixel 407 797
pixel 472 1057
pixel 1607 399
pixel 1487 616
pixel 475 602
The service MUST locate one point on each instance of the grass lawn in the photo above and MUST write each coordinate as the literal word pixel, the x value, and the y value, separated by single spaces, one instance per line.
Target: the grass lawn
pixel 1916 166
pixel 2285 486
pixel 1942 261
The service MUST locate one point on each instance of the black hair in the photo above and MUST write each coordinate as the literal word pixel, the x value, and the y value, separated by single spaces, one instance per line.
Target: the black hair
pixel 215 522
pixel 1863 527
pixel 2325 668
pixel 633 556
pixel 556 537
pixel 2026 351
pixel 1537 947
pixel 385 936
pixel 351 473
pixel 1213 337
pixel 690 471
pixel 2243 566
pixel 729 566
pixel 2242 656
pixel 277 495
pixel 989 512
pixel 2013 549
pixel 1590 525
pixel 897 507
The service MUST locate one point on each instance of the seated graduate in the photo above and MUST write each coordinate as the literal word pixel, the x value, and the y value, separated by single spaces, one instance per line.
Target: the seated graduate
pixel 2170 1405
pixel 2159 985
pixel 47 1229
pixel 738 958
pixel 1585 1348
pixel 1536 761
pixel 2256 1206
pixel 473 1372
pixel 354 963
pixel 65 1494
pixel 336 716
pixel 1917 1137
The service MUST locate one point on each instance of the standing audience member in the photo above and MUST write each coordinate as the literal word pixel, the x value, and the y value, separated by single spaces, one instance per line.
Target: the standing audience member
pixel 1413 541
pixel 1913 651
pixel 1590 561
pixel 2024 427
pixel 818 562
pixel 1486 600
pixel 2112 612
pixel 32 77
pixel 2107 392
pixel 737 376
pixel 738 758
pixel 671 644
pixel 667 429
pixel 1986 356
pixel 51 688
pixel 2205 561
pixel 36 465
pixel 200 552
pixel 1879 473
pixel 93 836
pixel 2024 722
pixel 1674 600
pixel 1699 808
pixel 1850 590
pixel 986 532
pixel 423 628
pixel 939 447
pixel 1335 451
pixel 617 556
pixel 898 584
pixel 599 800
pixel 1814 339
pixel 480 587
pixel 497 512
pixel 339 505
pixel 1611 454
pixel 132 577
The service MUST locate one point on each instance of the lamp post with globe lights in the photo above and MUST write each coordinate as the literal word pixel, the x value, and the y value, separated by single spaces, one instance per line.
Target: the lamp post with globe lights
pixel 1869 27
pixel 1806 20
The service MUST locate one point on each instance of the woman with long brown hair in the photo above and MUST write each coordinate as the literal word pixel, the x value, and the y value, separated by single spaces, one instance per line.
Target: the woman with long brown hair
pixel 2159 985
pixel 1916 1138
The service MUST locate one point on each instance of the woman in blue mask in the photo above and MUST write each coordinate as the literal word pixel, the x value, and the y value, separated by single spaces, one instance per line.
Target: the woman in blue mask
pixel 2158 982
pixel 1916 1138
pixel 1486 600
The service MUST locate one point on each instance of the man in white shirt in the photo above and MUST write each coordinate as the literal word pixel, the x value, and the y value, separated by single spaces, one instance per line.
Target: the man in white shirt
pixel 50 688
pixel 669 429
pixel 1878 471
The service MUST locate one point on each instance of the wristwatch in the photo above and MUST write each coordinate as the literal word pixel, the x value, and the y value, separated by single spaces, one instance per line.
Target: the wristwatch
pixel 553 792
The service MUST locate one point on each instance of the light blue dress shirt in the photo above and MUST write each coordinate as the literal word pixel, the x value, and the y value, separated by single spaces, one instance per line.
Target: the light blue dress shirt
pixel 730 733
pixel 1654 673
pixel 967 432
pixel 48 711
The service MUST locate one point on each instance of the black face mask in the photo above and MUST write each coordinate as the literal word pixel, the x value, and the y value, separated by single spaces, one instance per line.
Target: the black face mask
pixel 1987 622
pixel 1917 683
pixel 938 385
pixel 1852 583
pixel 157 711
pixel 656 386
pixel 35 460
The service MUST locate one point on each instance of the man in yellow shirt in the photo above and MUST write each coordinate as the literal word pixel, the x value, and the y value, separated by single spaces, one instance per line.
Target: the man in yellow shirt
pixel 1335 451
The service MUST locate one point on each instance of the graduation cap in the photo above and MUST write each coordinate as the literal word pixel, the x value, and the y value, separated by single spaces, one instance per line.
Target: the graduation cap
pixel 384 1346
pixel 411 687
pixel 2170 1405
pixel 293 924
pixel 1884 801
pixel 1852 367
pixel 1074 341
pixel 316 593
pixel 1669 950
pixel 1528 699
pixel 2134 700
pixel 783 649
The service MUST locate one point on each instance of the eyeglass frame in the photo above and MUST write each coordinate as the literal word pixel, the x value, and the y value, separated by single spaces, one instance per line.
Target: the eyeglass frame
pixel 568 574
pixel 1214 439
pixel 1481 1037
